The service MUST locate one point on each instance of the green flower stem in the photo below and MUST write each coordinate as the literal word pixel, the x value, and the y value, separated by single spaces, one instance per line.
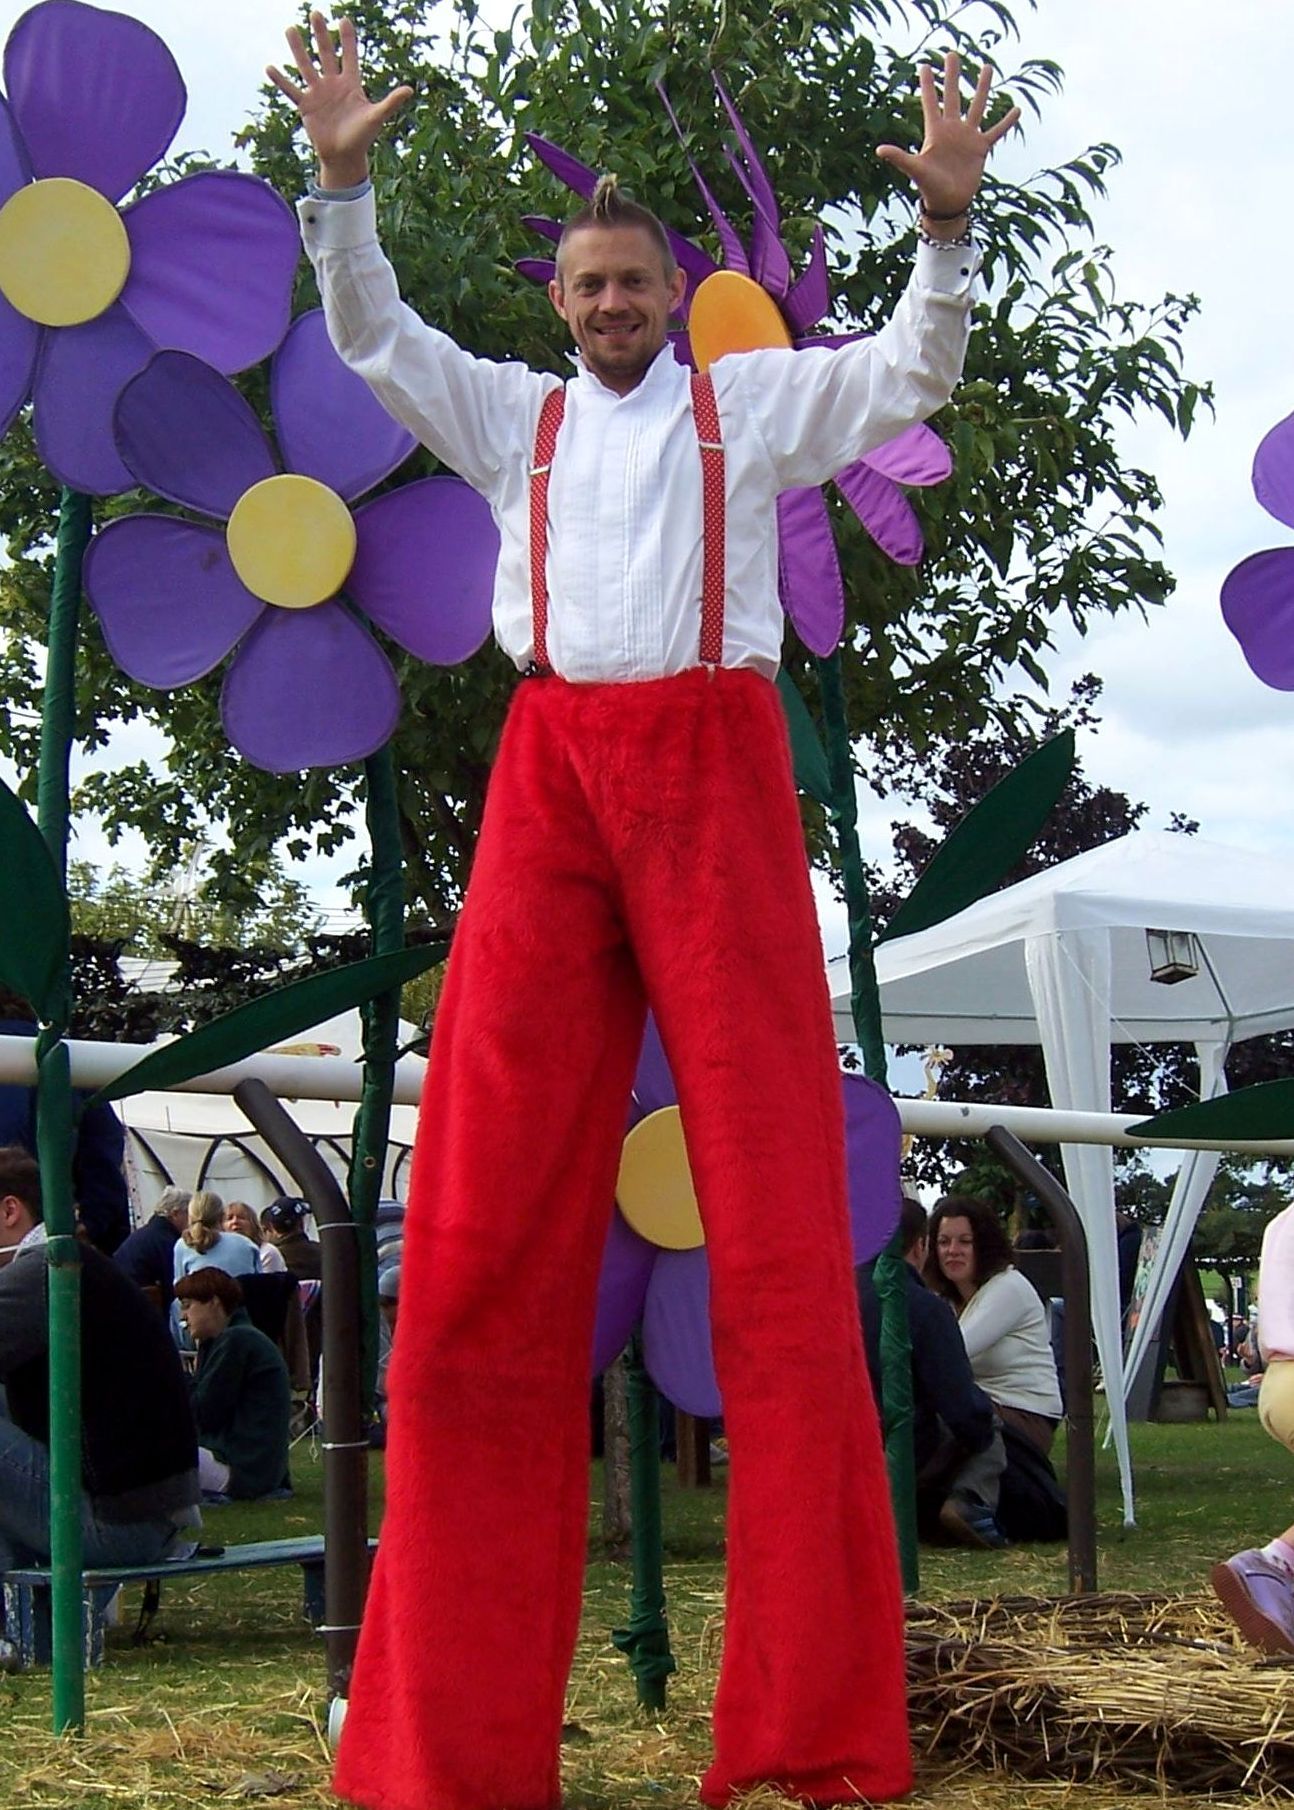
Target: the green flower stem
pixel 645 1641
pixel 384 908
pixel 865 1006
pixel 54 1137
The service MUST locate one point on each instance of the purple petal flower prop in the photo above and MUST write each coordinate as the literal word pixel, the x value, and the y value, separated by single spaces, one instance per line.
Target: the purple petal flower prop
pixel 810 583
pixel 1258 596
pixel 308 686
pixel 88 291
pixel 668 1291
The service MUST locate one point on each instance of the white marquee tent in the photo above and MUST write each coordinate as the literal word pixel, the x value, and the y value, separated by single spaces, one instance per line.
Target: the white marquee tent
pixel 1062 960
pixel 192 1140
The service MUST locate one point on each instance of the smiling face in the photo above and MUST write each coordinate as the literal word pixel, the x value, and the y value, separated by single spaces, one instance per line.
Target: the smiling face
pixel 955 1251
pixel 614 294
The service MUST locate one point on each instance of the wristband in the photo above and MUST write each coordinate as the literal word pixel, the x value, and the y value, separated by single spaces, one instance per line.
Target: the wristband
pixel 958 244
pixel 942 219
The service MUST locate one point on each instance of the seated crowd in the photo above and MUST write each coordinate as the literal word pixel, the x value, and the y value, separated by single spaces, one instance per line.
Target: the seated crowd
pixel 159 1439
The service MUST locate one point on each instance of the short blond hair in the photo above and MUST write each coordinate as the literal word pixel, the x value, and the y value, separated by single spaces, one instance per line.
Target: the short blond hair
pixel 610 206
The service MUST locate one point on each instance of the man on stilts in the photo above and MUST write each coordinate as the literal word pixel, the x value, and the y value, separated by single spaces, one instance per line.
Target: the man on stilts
pixel 641 846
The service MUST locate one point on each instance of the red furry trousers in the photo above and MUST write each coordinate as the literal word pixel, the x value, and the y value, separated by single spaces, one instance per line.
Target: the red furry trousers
pixel 641 843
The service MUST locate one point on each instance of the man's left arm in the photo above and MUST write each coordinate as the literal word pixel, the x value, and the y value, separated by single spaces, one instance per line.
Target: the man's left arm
pixel 818 411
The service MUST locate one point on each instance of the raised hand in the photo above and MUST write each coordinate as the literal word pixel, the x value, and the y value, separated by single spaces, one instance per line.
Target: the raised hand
pixel 948 167
pixel 342 122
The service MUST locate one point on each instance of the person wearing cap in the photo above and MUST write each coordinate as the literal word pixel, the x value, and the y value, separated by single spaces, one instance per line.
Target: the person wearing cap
pixel 284 1221
pixel 641 844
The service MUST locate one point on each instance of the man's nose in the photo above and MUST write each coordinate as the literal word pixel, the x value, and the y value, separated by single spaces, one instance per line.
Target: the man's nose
pixel 615 298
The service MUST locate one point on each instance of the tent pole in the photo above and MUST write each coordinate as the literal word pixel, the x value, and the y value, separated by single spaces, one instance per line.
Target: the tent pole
pixel 1080 1445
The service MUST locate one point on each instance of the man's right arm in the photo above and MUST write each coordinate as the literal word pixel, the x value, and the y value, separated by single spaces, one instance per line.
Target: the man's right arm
pixel 466 410
pixel 473 414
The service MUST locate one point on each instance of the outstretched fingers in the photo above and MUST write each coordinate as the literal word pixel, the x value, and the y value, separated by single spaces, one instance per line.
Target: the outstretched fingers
pixel 301 56
pixel 321 31
pixel 952 92
pixel 384 109
pixel 979 100
pixel 1002 127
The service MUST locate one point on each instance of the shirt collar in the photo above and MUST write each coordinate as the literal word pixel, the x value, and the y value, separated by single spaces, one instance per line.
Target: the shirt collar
pixel 31 1239
pixel 662 375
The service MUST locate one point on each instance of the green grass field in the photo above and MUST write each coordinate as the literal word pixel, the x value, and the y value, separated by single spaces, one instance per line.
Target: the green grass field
pixel 229 1703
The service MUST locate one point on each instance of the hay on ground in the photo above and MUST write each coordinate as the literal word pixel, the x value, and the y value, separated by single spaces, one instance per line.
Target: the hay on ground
pixel 1158 1692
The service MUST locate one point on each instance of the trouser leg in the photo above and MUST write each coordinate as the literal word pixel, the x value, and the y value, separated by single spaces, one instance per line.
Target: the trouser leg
pixel 24 1498
pixel 811 1693
pixel 472 1619
pixel 980 1476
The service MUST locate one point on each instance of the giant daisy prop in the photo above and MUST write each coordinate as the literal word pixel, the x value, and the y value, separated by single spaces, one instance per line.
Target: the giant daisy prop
pixel 271 576
pixel 90 290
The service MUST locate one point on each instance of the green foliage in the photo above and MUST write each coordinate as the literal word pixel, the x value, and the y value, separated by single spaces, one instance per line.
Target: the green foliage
pixel 33 914
pixel 1043 520
pixel 1244 1196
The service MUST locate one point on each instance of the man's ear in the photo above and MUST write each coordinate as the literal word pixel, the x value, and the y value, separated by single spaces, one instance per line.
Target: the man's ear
pixel 557 296
pixel 677 288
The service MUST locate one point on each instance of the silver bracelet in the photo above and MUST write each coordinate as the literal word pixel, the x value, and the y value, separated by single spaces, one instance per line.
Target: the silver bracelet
pixel 958 244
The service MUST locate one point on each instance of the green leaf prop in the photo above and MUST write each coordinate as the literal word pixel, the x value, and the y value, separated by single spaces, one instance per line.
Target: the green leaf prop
pixel 807 754
pixel 1263 1113
pixel 284 1013
pixel 33 911
pixel 988 841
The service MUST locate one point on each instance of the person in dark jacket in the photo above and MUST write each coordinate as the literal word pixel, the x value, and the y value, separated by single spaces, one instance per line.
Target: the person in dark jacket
pixel 284 1221
pixel 139 1477
pixel 957 1443
pixel 98 1180
pixel 241 1394
pixel 148 1255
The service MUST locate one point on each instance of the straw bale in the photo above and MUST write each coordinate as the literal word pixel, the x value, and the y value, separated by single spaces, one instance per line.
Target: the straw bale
pixel 1157 1693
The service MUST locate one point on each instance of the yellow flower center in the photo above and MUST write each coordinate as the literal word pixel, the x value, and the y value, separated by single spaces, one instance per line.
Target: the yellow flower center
pixel 64 254
pixel 731 313
pixel 292 541
pixel 654 1187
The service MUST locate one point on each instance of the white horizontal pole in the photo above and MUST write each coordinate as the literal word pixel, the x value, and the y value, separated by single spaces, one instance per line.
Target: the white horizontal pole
pixel 338 1078
pixel 1046 1125
pixel 94 1065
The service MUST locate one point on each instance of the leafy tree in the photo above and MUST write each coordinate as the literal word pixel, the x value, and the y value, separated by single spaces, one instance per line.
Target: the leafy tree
pixel 1043 520
pixel 1244 1196
pixel 138 914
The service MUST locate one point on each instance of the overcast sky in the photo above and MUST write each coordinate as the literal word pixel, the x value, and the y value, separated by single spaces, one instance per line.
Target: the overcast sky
pixel 1196 96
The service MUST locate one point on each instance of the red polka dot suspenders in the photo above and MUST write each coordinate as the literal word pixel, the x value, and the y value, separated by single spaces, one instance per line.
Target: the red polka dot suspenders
pixel 709 436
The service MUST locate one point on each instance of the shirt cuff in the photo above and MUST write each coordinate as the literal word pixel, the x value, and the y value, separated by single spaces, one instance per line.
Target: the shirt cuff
pixel 330 223
pixel 948 269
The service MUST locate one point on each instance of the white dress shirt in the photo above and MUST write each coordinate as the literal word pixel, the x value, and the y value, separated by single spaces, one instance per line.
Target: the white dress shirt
pixel 624 539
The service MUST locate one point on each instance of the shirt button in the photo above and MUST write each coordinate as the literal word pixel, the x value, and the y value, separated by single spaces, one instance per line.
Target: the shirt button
pixel 311 218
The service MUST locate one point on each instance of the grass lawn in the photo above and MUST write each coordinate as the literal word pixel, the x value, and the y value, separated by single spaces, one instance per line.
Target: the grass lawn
pixel 230 1703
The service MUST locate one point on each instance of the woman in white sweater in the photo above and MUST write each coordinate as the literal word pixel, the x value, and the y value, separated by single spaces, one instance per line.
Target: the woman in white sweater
pixel 1002 1320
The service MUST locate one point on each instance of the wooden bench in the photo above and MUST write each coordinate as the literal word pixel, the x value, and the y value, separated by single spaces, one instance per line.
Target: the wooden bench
pixel 27 1589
